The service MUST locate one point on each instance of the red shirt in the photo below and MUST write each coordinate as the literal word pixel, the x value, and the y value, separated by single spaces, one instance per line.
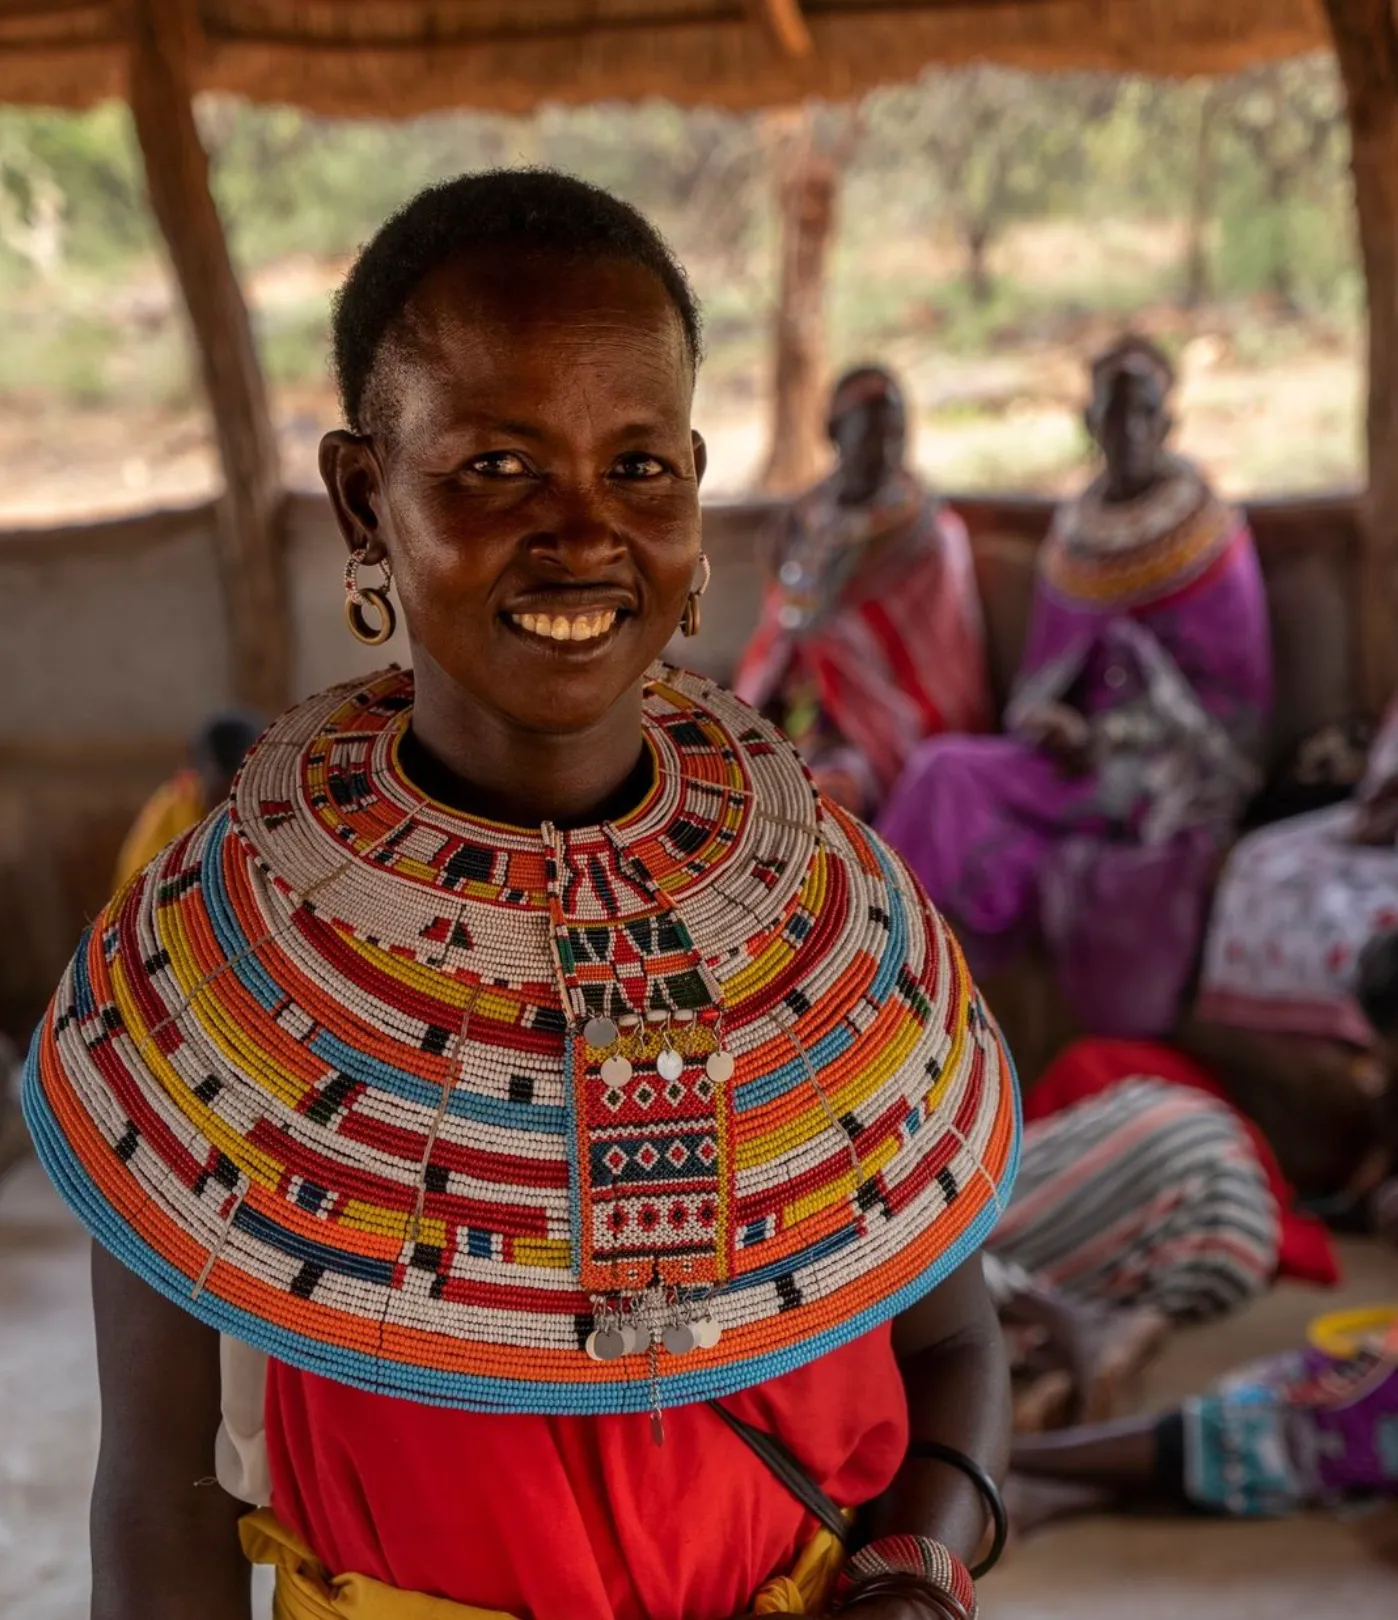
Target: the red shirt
pixel 578 1518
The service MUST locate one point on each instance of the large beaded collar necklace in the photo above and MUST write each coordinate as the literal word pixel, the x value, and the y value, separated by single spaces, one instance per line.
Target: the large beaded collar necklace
pixel 526 1119
pixel 1134 553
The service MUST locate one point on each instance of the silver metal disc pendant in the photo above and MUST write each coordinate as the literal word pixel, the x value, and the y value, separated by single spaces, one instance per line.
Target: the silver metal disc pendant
pixel 707 1333
pixel 678 1338
pixel 600 1032
pixel 669 1065
pixel 719 1067
pixel 608 1344
pixel 616 1071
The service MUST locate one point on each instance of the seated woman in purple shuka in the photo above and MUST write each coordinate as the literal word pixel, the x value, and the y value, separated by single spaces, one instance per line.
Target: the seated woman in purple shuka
pixel 1096 821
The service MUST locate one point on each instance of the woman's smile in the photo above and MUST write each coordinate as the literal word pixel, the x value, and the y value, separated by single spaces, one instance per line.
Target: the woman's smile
pixel 569 633
pixel 560 627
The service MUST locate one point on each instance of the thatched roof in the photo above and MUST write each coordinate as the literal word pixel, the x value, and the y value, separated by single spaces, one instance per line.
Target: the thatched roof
pixel 381 57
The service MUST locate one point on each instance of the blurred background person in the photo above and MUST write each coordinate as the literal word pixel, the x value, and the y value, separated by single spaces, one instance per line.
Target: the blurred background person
pixel 192 792
pixel 870 637
pixel 1138 712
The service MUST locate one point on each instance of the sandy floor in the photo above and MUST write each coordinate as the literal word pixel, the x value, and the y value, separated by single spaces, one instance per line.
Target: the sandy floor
pixel 1094 1570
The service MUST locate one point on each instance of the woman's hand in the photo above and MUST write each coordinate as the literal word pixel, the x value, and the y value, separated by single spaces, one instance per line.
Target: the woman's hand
pixel 1062 733
pixel 891 1609
pixel 1376 818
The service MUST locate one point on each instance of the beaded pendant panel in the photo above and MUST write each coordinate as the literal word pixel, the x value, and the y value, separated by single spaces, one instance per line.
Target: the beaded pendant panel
pixel 528 1119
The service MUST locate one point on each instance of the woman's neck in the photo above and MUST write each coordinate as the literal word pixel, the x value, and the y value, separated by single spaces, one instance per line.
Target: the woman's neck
pixel 476 761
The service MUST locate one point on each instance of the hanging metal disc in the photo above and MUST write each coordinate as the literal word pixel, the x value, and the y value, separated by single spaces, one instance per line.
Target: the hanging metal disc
pixel 719 1067
pixel 600 1032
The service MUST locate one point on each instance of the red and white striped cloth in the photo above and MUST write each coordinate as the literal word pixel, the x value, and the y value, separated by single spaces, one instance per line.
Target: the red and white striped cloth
pixel 900 655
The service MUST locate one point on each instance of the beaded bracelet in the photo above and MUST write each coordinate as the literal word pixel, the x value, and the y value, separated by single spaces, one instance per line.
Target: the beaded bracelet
pixel 905 1588
pixel 928 1562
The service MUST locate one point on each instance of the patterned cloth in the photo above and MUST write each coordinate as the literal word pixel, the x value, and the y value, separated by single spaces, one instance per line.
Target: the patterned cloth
pixel 1297 904
pixel 871 636
pixel 1148 1195
pixel 1163 645
pixel 516 1119
pixel 1294 1431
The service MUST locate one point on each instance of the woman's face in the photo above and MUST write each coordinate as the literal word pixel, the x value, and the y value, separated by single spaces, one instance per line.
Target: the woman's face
pixel 1129 420
pixel 869 438
pixel 532 475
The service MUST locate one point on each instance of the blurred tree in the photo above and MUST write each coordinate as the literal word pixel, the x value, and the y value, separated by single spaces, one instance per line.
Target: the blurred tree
pixel 1206 102
pixel 808 148
pixel 1288 122
pixel 31 209
pixel 83 174
pixel 1003 145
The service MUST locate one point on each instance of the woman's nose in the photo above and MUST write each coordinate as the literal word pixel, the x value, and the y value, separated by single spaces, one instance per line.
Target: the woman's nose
pixel 579 530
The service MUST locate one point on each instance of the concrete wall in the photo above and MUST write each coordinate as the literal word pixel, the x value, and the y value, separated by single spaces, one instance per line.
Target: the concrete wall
pixel 112 650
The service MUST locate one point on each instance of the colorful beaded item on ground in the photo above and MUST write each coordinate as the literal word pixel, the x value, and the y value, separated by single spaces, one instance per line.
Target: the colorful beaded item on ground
pixel 523 1119
pixel 910 1555
pixel 1119 557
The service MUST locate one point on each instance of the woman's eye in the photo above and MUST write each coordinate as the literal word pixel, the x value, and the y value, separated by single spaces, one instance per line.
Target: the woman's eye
pixel 640 465
pixel 498 464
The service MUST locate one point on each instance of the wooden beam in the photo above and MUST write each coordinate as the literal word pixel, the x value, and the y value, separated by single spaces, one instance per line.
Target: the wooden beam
pixel 1366 46
pixel 256 599
pixel 787 26
pixel 807 184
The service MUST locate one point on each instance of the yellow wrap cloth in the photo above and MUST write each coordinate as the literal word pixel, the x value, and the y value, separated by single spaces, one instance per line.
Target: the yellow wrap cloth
pixel 306 1592
pixel 174 807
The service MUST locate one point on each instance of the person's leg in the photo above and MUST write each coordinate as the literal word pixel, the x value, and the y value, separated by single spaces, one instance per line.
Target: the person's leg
pixel 1095 1468
pixel 1123 1457
pixel 1149 1196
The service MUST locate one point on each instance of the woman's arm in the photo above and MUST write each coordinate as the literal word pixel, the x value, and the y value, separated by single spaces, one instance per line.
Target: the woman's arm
pixel 953 1358
pixel 164 1537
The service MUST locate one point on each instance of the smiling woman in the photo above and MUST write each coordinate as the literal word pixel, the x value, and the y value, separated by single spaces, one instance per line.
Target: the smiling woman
pixel 578 1130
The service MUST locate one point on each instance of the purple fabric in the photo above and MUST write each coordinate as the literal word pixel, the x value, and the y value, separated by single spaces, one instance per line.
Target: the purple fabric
pixel 1216 631
pixel 1357 1439
pixel 1008 846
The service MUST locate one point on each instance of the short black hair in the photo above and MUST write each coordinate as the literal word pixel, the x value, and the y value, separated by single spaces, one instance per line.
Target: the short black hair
pixel 1376 983
pixel 511 210
pixel 225 738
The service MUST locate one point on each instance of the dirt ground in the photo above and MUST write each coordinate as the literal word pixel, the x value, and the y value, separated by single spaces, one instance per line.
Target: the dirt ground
pixel 1103 1569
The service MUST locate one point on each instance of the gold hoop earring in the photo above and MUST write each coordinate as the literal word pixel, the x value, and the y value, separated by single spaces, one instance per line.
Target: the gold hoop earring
pixel 358 597
pixel 691 619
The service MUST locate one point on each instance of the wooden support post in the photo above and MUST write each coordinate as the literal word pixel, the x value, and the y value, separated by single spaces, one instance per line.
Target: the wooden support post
pixel 807 180
pixel 177 175
pixel 1366 45
pixel 786 26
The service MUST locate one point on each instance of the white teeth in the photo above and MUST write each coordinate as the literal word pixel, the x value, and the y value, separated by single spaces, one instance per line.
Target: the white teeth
pixel 557 627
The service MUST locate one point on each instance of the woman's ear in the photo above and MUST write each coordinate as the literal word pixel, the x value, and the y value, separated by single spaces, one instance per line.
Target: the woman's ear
pixel 353 479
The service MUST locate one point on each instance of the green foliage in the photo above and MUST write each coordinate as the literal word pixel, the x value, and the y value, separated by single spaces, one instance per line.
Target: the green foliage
pixel 1245 180
pixel 94 164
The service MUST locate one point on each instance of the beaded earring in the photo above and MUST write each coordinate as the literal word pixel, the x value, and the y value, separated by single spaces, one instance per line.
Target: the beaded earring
pixel 689 622
pixel 357 597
